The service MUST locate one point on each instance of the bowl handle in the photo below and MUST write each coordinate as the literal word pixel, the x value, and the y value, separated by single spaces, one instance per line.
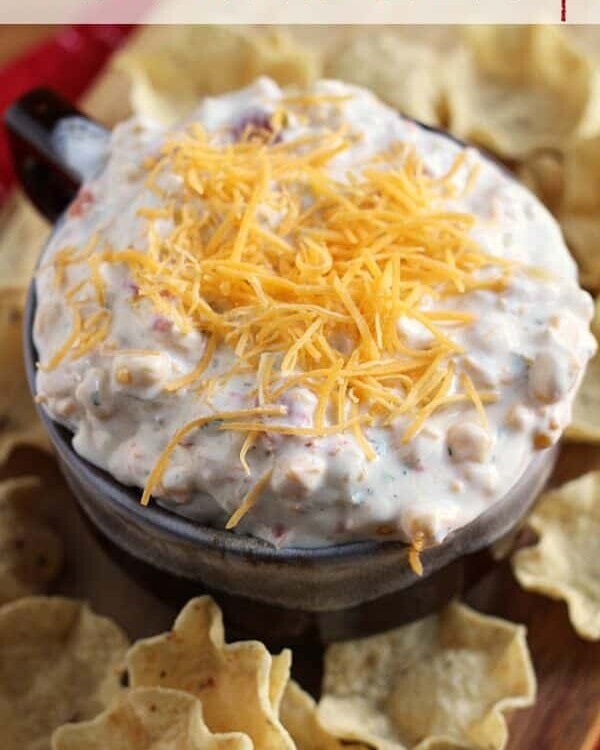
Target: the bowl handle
pixel 47 175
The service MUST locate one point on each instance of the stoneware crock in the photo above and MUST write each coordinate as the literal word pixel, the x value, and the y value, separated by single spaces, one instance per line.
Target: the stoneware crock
pixel 335 592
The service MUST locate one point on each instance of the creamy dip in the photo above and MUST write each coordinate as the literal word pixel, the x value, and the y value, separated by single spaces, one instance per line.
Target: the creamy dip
pixel 525 349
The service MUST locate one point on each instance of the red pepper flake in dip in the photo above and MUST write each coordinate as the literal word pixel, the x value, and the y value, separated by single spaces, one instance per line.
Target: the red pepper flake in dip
pixel 162 324
pixel 332 327
pixel 84 199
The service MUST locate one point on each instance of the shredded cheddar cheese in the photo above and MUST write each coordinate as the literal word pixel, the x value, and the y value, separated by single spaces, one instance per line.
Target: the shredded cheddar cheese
pixel 71 340
pixel 249 500
pixel 193 376
pixel 414 553
pixel 471 391
pixel 304 274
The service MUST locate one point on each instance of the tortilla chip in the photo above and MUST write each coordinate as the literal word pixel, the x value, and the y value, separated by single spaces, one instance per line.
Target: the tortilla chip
pixel 281 665
pixel 582 234
pixel 277 55
pixel 171 67
pixel 404 74
pixel 565 563
pixel 232 680
pixel 585 422
pixel 148 719
pixel 299 717
pixel 442 682
pixel 517 89
pixel 502 547
pixel 543 173
pixel 568 182
pixel 579 210
pixel 585 418
pixel 59 662
pixel 581 174
pixel 19 423
pixel 22 235
pixel 31 553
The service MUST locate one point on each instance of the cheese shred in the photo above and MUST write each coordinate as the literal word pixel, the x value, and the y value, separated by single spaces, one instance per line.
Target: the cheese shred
pixel 414 553
pixel 249 501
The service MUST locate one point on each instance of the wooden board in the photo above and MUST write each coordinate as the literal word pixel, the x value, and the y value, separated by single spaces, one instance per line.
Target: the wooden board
pixel 567 713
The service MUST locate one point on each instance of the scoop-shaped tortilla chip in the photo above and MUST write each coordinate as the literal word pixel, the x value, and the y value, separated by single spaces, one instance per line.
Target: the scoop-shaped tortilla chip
pixel 582 235
pixel 19 423
pixel 585 418
pixel 232 680
pixel 543 173
pixel 404 74
pixel 148 719
pixel 517 89
pixel 585 422
pixel 441 682
pixel 299 717
pixel 565 562
pixel 171 67
pixel 31 552
pixel 59 662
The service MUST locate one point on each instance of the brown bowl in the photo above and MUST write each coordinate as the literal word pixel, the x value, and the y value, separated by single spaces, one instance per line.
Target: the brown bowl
pixel 336 591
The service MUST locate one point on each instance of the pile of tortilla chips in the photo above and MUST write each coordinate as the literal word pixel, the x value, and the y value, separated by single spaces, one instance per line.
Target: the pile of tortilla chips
pixel 68 682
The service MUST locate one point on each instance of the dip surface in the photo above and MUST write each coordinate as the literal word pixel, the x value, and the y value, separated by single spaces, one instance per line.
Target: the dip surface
pixel 118 361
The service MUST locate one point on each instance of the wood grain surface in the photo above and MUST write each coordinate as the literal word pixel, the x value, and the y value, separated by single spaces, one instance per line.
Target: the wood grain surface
pixel 567 712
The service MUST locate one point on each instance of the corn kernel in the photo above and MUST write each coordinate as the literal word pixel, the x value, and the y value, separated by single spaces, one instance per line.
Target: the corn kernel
pixel 124 376
pixel 542 440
